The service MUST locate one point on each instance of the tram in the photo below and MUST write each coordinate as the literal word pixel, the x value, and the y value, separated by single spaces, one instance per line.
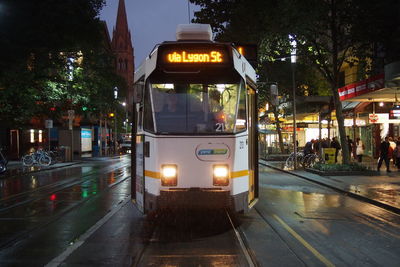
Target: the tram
pixel 195 123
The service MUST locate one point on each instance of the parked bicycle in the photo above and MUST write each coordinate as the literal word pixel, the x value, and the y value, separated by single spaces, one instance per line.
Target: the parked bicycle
pixel 40 157
pixel 311 159
pixel 290 160
pixel 3 162
pixel 57 155
pixel 306 161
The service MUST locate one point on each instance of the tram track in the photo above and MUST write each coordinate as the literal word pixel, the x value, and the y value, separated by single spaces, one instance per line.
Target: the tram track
pixel 7 242
pixel 51 188
pixel 183 239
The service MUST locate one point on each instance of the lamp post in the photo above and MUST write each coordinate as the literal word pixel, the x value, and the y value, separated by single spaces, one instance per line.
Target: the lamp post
pixel 293 45
pixel 115 121
pixel 126 118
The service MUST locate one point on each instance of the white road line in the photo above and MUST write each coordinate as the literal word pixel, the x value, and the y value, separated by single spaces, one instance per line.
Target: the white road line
pixel 60 258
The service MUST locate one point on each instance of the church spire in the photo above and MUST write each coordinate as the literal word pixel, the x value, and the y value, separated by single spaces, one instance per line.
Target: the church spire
pixel 122 22
pixel 122 47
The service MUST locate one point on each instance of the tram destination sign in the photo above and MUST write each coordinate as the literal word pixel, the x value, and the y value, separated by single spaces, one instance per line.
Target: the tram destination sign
pixel 189 55
pixel 194 57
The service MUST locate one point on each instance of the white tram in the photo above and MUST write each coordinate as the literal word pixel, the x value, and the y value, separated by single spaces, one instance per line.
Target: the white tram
pixel 195 123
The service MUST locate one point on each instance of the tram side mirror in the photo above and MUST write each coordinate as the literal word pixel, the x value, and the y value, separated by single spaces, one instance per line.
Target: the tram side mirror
pixel 138 92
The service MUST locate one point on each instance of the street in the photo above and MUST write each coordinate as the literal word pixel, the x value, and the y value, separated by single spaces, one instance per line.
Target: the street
pixel 82 215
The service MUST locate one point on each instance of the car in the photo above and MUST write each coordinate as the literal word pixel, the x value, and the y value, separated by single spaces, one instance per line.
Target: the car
pixel 125 146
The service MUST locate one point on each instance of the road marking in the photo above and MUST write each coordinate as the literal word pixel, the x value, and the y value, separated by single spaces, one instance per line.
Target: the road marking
pixel 60 258
pixel 304 243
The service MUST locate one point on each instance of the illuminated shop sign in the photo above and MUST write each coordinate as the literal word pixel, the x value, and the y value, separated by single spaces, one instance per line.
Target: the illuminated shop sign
pixel 394 113
pixel 194 57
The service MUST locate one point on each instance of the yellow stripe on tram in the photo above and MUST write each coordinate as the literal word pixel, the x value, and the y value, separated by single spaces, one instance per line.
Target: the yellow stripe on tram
pixel 151 174
pixel 239 173
pixel 304 242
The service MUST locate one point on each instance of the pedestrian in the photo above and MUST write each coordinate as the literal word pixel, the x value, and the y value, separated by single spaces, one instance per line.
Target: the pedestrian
pixel 384 154
pixel 350 145
pixel 325 143
pixel 392 147
pixel 359 149
pixel 316 144
pixel 308 148
pixel 336 145
pixel 396 154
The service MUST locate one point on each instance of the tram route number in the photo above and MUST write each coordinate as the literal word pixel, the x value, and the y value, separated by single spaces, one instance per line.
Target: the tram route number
pixel 220 127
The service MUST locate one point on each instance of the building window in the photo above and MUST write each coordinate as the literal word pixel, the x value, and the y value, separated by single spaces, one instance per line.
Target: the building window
pixel 32 136
pixel 40 136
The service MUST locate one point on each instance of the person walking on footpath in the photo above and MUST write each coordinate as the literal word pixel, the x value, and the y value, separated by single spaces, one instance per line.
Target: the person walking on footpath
pixel 384 154
pixel 396 155
pixel 350 145
pixel 336 145
pixel 359 149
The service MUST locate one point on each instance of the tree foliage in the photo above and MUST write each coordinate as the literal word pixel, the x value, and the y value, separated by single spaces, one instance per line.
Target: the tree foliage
pixel 328 32
pixel 39 37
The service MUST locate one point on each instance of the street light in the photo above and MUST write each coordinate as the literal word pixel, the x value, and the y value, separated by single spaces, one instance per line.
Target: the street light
pixel 293 49
pixel 115 121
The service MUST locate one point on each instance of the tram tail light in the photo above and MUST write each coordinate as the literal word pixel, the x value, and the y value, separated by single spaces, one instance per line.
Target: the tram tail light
pixel 221 175
pixel 169 175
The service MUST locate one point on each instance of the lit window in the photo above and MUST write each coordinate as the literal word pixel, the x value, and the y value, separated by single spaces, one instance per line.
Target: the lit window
pixel 32 135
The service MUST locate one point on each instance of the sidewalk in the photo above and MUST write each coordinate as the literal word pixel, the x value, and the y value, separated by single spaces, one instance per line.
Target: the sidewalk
pixel 382 190
pixel 15 168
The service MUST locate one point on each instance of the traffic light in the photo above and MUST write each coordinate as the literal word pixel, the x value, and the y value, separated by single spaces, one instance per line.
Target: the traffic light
pixel 84 108
pixel 53 109
pixel 111 115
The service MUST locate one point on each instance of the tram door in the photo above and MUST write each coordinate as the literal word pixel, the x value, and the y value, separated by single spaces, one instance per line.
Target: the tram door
pixel 252 143
pixel 139 183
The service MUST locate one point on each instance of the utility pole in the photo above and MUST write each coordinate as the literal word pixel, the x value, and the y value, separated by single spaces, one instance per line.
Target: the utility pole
pixel 293 63
pixel 115 121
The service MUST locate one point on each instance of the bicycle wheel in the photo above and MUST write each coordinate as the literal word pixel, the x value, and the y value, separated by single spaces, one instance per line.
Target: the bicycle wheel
pixel 3 167
pixel 27 160
pixel 45 160
pixel 311 161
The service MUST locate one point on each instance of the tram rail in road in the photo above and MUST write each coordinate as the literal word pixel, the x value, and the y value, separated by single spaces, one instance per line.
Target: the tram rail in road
pixel 211 235
pixel 42 194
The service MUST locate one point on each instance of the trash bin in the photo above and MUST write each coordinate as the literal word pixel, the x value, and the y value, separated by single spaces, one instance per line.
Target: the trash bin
pixel 67 153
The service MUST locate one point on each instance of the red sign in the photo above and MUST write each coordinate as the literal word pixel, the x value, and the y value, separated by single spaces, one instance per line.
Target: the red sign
pixel 362 87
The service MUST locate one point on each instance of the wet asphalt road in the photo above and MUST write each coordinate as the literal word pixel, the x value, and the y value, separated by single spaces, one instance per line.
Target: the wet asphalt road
pixel 81 216
pixel 319 226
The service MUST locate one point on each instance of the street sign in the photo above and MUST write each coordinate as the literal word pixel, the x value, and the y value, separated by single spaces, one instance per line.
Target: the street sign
pixel 71 114
pixel 48 124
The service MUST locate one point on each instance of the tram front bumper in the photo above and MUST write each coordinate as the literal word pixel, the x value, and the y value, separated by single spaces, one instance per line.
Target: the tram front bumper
pixel 194 198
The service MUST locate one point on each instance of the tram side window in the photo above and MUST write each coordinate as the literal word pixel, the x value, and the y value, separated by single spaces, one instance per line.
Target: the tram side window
pixel 148 115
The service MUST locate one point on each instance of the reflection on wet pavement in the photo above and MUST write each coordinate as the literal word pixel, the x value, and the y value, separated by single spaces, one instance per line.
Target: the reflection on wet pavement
pixel 33 200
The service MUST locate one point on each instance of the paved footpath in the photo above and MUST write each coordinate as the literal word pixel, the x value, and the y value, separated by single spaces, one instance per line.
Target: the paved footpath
pixel 382 190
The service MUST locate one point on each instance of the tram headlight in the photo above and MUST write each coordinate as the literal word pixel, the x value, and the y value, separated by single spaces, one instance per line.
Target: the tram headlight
pixel 169 175
pixel 221 175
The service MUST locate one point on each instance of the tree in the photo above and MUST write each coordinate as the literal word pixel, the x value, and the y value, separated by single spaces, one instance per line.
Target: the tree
pixel 39 38
pixel 327 32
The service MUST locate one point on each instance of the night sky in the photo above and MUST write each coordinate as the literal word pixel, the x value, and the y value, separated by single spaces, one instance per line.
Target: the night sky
pixel 150 22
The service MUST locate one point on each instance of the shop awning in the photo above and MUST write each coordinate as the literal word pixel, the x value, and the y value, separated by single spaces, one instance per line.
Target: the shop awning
pixel 381 95
pixel 353 91
pixel 347 105
pixel 266 131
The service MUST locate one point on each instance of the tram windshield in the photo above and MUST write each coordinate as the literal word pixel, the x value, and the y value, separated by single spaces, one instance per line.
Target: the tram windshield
pixel 198 108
